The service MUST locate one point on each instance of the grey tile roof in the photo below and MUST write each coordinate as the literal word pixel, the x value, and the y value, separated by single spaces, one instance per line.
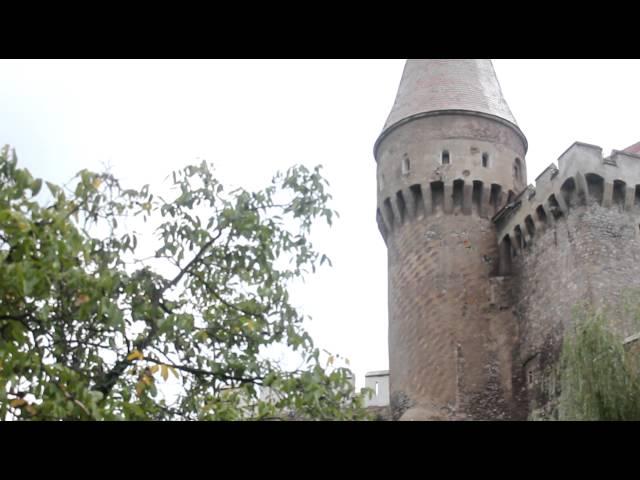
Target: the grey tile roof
pixel 436 85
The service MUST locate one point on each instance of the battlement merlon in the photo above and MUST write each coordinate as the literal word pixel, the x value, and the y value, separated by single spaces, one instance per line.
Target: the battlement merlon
pixel 579 160
pixel 586 158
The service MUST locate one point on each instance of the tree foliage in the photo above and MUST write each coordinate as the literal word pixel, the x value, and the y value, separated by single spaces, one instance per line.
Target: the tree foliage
pixel 90 330
pixel 600 377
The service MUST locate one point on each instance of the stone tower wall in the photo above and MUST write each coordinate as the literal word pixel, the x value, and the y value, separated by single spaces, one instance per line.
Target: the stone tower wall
pixel 452 334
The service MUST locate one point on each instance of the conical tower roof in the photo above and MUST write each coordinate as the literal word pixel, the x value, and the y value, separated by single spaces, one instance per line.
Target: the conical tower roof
pixel 436 85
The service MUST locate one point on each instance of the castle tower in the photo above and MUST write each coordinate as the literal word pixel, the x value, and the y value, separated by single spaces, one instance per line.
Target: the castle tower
pixel 449 157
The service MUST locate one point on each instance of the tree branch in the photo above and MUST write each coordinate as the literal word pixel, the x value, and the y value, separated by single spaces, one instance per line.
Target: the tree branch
pixel 193 261
pixel 198 371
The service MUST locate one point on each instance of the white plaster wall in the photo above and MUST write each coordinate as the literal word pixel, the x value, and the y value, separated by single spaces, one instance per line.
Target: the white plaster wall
pixel 382 398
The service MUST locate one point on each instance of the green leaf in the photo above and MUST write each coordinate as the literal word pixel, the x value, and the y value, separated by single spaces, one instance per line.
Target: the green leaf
pixel 53 188
pixel 96 396
pixel 36 186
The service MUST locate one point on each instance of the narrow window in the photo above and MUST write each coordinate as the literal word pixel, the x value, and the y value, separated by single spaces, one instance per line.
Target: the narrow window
pixel 636 200
pixel 458 194
pixel 504 265
pixel 402 206
pixel 418 201
pixel 554 206
pixel 619 192
pixel 530 226
pixel 377 389
pixel 517 170
pixel 530 377
pixel 437 195
pixel 595 185
pixel 445 157
pixel 406 165
pixel 494 197
pixel 541 215
pixel 568 191
pixel 476 196
pixel 388 211
pixel 485 160
pixel 519 237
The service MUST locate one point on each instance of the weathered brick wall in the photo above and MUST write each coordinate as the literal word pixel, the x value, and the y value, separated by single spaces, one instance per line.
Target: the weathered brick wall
pixel 451 331
pixel 452 326
pixel 572 241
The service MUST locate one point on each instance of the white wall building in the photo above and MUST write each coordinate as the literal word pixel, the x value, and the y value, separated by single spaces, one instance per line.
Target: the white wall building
pixel 378 382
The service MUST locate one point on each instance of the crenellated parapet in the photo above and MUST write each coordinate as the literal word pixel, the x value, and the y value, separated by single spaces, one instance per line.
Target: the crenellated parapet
pixel 583 177
pixel 461 196
pixel 447 162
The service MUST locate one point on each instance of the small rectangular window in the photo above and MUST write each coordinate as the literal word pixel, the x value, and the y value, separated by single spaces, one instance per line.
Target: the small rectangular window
pixel 406 165
pixel 485 160
pixel 517 170
pixel 445 157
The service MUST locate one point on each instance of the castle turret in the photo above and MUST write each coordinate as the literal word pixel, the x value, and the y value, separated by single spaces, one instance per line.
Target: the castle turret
pixel 449 157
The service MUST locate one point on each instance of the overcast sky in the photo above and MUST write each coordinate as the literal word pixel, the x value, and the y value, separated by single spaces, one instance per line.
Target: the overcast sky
pixel 251 118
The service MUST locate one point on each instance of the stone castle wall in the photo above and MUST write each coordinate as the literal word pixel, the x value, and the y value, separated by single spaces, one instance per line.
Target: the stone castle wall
pixel 572 241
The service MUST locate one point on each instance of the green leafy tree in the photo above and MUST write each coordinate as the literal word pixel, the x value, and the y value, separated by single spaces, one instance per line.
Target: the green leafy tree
pixel 89 330
pixel 600 376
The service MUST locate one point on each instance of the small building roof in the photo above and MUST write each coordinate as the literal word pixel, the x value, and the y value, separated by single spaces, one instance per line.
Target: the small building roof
pixel 633 149
pixel 378 373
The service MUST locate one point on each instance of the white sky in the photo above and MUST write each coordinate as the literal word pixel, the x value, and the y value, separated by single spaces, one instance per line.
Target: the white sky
pixel 251 118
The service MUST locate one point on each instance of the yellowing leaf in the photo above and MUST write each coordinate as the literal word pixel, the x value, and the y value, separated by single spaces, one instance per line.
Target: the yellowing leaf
pixel 17 402
pixel 330 361
pixel 202 335
pixel 139 388
pixel 82 298
pixel 173 370
pixel 31 409
pixel 155 368
pixel 134 355
pixel 147 380
pixel 165 372
pixel 97 181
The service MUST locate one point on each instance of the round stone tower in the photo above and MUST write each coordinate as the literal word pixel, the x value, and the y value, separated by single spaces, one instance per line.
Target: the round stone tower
pixel 449 156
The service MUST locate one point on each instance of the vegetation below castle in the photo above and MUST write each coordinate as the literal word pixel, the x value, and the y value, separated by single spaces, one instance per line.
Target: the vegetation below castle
pixel 600 375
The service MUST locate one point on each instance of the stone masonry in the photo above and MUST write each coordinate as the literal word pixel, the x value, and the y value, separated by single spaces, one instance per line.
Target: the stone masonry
pixel 484 271
pixel 572 240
